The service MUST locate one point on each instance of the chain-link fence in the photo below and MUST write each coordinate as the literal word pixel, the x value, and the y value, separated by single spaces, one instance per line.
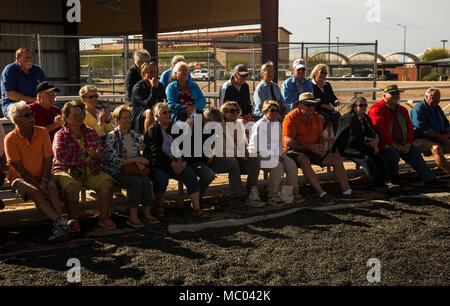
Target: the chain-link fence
pixel 104 61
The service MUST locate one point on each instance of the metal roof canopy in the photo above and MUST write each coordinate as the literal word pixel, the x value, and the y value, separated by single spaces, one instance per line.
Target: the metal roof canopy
pixel 117 17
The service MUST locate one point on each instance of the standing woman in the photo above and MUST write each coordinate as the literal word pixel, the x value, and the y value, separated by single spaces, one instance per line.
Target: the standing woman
pixel 357 140
pixel 158 142
pixel 77 155
pixel 122 152
pixel 146 93
pixel 100 121
pixel 324 92
pixel 267 90
pixel 184 95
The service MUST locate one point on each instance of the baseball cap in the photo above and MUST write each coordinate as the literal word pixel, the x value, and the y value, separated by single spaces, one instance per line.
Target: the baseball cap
pixel 299 63
pixel 240 69
pixel 46 86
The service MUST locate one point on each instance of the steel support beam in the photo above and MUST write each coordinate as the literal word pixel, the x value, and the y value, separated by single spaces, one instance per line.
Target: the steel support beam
pixel 269 33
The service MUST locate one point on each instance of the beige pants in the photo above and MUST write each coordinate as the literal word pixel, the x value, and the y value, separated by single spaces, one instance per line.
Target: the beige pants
pixel 287 166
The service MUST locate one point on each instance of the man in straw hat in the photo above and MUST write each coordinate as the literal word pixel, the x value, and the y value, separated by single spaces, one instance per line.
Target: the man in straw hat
pixel 391 120
pixel 303 142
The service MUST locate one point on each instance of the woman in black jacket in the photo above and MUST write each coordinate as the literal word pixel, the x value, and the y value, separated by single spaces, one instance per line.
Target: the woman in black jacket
pixel 356 139
pixel 158 143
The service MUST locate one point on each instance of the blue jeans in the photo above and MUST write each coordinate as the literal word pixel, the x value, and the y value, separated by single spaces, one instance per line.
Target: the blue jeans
pixel 413 158
pixel 376 167
pixel 160 178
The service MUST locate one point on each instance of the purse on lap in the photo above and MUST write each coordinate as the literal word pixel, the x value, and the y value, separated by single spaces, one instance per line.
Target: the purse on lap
pixel 130 169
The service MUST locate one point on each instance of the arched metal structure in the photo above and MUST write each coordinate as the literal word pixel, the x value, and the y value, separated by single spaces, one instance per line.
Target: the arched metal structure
pixel 410 55
pixel 379 56
pixel 343 56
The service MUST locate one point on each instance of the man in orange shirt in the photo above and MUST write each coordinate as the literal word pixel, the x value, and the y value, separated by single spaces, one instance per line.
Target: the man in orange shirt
pixel 29 154
pixel 303 142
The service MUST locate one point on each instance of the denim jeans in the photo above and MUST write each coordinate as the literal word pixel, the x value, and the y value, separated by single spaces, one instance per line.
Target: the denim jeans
pixel 229 165
pixel 376 167
pixel 413 158
pixel 205 175
pixel 160 178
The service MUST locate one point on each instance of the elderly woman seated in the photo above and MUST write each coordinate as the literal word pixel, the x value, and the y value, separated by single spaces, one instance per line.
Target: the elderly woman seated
pixel 100 121
pixel 236 143
pixel 77 155
pixel 266 140
pixel 158 143
pixel 184 95
pixel 123 162
pixel 357 140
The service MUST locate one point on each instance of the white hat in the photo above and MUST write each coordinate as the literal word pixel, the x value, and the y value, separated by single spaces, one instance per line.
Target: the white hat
pixel 299 63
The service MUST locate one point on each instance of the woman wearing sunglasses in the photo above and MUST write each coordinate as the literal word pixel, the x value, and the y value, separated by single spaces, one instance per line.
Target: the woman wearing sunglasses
pixel 324 92
pixel 357 139
pixel 100 121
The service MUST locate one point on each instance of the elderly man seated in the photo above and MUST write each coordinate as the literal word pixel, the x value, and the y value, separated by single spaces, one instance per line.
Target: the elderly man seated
pixel 29 154
pixel 391 120
pixel 431 128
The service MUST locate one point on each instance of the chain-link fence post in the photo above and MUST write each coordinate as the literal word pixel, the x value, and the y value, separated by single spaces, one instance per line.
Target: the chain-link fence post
pixel 375 69
pixel 33 44
pixel 253 63
pixel 125 54
pixel 303 50
pixel 215 76
pixel 39 50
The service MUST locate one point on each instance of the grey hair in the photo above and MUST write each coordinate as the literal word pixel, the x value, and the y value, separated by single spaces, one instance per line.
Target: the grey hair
pixel 141 54
pixel 175 69
pixel 213 114
pixel 13 111
pixel 157 107
pixel 176 59
pixel 430 91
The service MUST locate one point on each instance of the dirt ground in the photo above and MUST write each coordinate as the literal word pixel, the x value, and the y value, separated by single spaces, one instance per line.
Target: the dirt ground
pixel 409 235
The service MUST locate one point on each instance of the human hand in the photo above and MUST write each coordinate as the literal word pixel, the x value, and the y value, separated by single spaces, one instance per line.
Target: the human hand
pixel 318 149
pixel 337 102
pixel 57 121
pixel 190 108
pixel 154 82
pixel 101 117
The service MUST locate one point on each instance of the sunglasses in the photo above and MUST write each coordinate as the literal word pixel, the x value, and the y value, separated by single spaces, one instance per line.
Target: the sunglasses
pixel 91 97
pixel 28 115
pixel 301 69
pixel 273 110
pixel 324 72
pixel 165 112
pixel 233 111
pixel 309 104
pixel 362 105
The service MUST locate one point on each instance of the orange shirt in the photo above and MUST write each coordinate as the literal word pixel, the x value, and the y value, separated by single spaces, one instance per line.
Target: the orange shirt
pixel 18 148
pixel 307 132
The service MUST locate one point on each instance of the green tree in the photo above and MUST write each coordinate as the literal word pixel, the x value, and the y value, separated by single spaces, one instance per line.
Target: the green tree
pixel 435 54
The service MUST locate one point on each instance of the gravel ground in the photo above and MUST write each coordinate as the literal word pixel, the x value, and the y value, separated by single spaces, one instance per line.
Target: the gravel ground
pixel 409 235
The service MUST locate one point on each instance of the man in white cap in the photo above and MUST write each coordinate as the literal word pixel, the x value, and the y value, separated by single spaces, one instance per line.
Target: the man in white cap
pixel 297 84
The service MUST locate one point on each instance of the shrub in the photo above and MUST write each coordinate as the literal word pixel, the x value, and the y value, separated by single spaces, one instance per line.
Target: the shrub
pixel 431 77
pixel 435 54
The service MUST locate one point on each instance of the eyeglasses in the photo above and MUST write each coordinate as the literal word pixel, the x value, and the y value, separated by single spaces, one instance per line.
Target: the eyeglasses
pixel 165 112
pixel 28 115
pixel 233 111
pixel 301 69
pixel 274 110
pixel 324 72
pixel 362 105
pixel 309 104
pixel 91 97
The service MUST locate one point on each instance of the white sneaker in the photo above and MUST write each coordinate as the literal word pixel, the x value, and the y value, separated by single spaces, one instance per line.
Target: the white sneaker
pixel 254 196
pixel 276 201
pixel 251 203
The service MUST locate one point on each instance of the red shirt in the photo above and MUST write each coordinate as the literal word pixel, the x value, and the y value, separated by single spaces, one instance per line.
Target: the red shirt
pixel 44 117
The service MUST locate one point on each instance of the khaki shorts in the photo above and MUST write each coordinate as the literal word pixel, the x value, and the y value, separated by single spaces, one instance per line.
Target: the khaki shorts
pixel 22 187
pixel 92 182
pixel 425 145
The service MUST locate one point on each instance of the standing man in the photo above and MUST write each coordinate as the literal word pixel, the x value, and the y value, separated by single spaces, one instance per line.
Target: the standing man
pixel 391 120
pixel 432 129
pixel 236 89
pixel 134 73
pixel 29 154
pixel 19 80
pixel 304 143
pixel 46 114
pixel 297 84
pixel 165 76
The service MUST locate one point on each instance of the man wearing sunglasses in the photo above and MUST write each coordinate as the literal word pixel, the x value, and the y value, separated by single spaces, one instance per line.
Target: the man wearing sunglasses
pixel 46 113
pixel 297 84
pixel 393 125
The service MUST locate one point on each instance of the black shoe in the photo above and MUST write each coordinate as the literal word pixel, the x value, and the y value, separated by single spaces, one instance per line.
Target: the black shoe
pixel 396 180
pixel 2 205
pixel 435 183
pixel 326 200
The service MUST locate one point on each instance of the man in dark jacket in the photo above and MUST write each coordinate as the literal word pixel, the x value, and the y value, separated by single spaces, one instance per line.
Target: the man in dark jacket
pixel 134 73
pixel 432 129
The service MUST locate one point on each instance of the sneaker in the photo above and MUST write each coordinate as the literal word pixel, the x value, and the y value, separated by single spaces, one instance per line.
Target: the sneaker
pixel 58 234
pixel 435 183
pixel 254 196
pixel 299 199
pixel 66 224
pixel 326 199
pixel 134 224
pixel 276 201
pixel 251 203
pixel 107 223
pixel 2 205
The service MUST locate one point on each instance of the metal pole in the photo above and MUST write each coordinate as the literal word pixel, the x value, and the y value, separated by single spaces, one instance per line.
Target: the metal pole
pixel 375 70
pixel 329 38
pixel 404 38
pixel 39 51
pixel 215 75
pixel 303 47
pixel 125 54
pixel 254 72
pixel 443 47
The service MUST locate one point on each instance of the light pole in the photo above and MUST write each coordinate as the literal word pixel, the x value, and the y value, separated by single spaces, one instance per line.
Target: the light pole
pixel 404 38
pixel 337 47
pixel 329 38
pixel 443 47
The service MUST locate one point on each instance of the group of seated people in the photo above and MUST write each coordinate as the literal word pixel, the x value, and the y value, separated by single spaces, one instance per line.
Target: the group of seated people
pixel 53 153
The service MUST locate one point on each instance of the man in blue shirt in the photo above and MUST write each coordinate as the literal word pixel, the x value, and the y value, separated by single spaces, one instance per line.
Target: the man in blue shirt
pixel 20 79
pixel 432 129
pixel 297 84
pixel 165 76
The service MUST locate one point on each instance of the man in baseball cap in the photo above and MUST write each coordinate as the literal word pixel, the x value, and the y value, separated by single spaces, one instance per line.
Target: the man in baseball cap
pixel 46 113
pixel 297 84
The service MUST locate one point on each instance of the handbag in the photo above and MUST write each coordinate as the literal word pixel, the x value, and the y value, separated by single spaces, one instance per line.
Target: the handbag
pixel 130 169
